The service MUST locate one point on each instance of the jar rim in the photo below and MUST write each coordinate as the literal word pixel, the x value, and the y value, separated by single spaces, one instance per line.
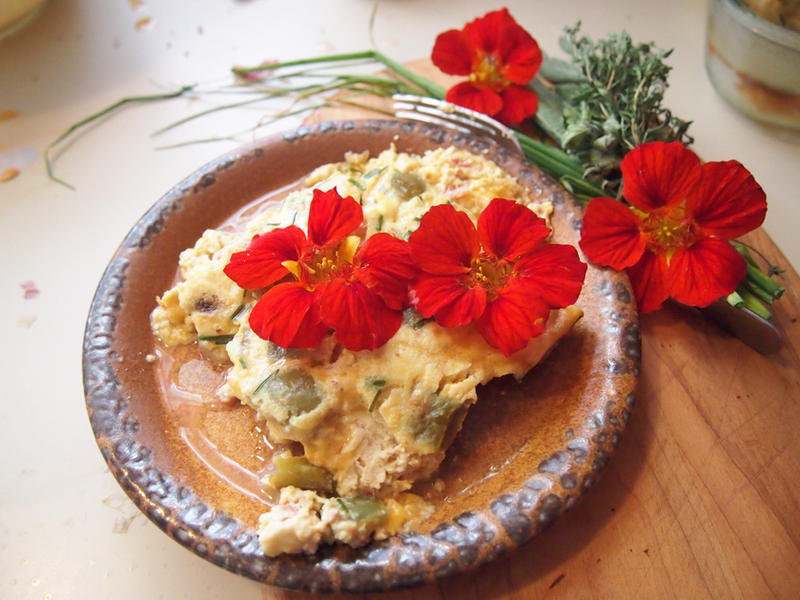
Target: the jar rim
pixel 760 26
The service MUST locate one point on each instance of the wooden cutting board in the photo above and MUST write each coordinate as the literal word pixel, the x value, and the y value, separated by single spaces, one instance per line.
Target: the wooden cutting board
pixel 702 497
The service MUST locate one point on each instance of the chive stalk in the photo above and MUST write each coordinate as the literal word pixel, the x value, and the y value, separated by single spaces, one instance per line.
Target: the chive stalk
pixel 754 304
pixel 48 161
pixel 735 300
pixel 758 279
pixel 265 381
pixel 216 339
pixel 237 312
pixel 758 291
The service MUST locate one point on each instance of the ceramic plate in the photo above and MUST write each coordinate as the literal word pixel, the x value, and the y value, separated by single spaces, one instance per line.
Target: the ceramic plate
pixel 525 455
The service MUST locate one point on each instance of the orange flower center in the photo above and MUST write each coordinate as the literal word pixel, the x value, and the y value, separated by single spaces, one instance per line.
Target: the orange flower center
pixel 667 230
pixel 490 274
pixel 486 71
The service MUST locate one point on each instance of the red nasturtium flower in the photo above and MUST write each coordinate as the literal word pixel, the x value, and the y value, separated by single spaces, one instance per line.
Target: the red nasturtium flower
pixel 500 58
pixel 673 240
pixel 503 276
pixel 328 280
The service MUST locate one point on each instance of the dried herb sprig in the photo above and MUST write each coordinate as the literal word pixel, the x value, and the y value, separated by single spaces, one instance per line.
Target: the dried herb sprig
pixel 606 101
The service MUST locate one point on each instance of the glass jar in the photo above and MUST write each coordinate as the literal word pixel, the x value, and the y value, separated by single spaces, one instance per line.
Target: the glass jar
pixel 754 64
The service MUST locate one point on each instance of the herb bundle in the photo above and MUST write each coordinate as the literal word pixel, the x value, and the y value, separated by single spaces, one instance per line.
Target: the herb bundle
pixel 605 101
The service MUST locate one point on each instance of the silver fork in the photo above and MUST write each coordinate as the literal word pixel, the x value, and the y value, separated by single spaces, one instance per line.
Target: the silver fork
pixel 756 332
pixel 451 116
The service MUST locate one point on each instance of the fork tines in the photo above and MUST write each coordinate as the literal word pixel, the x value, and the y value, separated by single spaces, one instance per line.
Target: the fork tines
pixel 451 116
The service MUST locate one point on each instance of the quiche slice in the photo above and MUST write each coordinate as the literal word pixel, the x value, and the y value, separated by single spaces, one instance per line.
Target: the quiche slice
pixel 370 423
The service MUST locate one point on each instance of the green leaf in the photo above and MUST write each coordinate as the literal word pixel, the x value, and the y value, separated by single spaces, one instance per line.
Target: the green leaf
pixel 549 115
pixel 556 70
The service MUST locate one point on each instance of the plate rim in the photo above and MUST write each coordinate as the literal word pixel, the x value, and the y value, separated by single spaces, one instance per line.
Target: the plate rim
pixel 406 560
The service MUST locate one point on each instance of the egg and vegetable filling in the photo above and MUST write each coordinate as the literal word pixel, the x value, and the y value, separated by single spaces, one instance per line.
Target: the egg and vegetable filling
pixel 370 422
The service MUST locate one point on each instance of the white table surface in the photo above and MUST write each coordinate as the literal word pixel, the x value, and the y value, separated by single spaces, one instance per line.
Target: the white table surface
pixel 66 528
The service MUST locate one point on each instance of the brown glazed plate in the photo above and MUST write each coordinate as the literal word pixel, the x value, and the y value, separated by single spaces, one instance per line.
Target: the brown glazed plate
pixel 527 452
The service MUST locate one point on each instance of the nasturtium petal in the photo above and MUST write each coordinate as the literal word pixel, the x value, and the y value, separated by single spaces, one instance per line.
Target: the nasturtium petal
pixel 359 318
pixel 385 266
pixel 260 264
pixel 519 103
pixel 445 243
pixel 508 229
pixel 450 300
pixel 510 321
pixel 453 53
pixel 523 58
pixel 610 234
pixel 513 50
pixel 727 202
pixel 476 97
pixel 288 316
pixel 706 271
pixel 555 272
pixel 500 58
pixel 487 32
pixel 331 218
pixel 649 280
pixel 659 174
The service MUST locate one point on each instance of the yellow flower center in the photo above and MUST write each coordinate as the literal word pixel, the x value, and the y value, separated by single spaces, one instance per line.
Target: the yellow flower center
pixel 325 264
pixel 667 229
pixel 490 274
pixel 486 71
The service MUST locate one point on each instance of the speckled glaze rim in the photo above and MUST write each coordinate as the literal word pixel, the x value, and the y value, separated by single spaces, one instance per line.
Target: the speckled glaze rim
pixel 467 541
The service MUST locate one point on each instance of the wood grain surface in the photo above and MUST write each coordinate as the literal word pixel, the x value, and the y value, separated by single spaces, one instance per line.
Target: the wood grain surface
pixel 702 497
